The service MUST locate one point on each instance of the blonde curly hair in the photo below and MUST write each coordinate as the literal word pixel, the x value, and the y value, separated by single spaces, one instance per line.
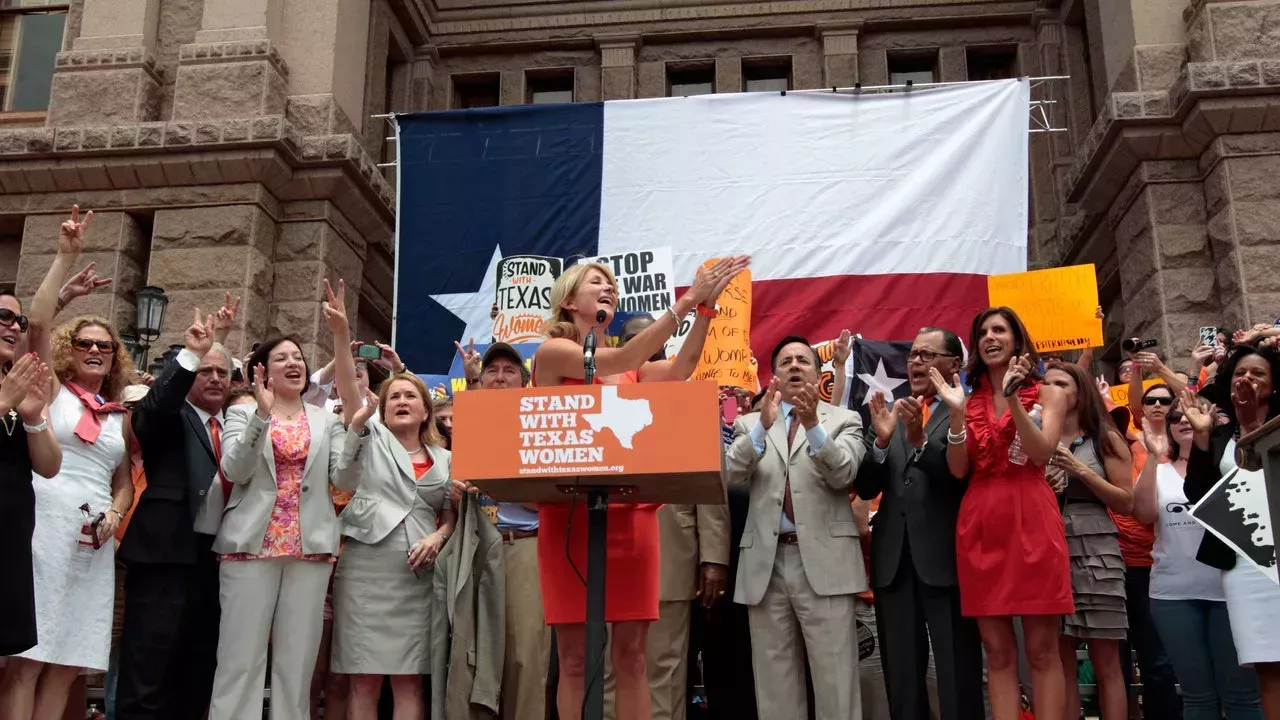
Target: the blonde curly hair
pixel 560 324
pixel 121 374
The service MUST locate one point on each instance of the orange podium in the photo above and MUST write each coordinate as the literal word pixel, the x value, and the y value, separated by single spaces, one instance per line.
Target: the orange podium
pixel 643 442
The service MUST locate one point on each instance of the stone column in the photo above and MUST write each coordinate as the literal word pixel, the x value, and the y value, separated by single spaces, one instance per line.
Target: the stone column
pixel 325 43
pixel 729 75
pixel 109 76
pixel 233 69
pixel 1166 272
pixel 199 254
pixel 618 67
pixel 839 54
pixel 316 242
pixel 953 64
pixel 114 241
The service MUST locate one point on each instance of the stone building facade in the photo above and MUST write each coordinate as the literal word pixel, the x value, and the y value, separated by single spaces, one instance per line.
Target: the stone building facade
pixel 229 145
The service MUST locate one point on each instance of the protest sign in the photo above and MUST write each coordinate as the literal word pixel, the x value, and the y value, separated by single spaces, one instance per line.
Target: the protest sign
pixel 524 296
pixel 1120 393
pixel 1059 306
pixel 1236 511
pixel 826 372
pixel 644 284
pixel 726 356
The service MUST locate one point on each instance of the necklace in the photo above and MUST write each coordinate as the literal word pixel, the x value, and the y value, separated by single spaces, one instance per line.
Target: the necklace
pixel 415 452
pixel 289 416
pixel 10 421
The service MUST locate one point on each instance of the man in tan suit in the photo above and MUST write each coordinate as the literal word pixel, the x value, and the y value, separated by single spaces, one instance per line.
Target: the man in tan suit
pixel 695 559
pixel 800 563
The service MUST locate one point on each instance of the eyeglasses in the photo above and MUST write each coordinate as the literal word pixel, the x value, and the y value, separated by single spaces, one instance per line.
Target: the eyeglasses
pixel 927 356
pixel 1166 401
pixel 1175 417
pixel 9 317
pixel 85 345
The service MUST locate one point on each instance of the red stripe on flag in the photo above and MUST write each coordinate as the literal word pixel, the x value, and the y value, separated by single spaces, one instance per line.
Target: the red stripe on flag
pixel 879 307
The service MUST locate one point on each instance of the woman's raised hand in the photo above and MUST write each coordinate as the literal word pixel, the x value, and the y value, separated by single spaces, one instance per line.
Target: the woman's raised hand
pixel 71 236
pixel 335 308
pixel 951 394
pixel 709 282
pixel 262 392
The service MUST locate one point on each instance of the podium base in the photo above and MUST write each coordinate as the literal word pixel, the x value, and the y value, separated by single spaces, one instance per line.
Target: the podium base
pixel 597 631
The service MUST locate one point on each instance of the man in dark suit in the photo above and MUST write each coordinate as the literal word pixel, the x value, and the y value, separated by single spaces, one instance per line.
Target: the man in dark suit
pixel 913 548
pixel 168 648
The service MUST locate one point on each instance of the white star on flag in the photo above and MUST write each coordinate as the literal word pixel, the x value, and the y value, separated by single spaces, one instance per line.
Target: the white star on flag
pixel 473 308
pixel 879 381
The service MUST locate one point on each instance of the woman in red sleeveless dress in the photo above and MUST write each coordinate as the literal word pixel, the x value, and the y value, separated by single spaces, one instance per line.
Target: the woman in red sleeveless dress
pixel 631 584
pixel 1011 549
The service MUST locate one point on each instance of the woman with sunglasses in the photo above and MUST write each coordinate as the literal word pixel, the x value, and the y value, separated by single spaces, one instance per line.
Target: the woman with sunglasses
pixel 77 512
pixel 1094 458
pixel 1246 392
pixel 1186 597
pixel 23 450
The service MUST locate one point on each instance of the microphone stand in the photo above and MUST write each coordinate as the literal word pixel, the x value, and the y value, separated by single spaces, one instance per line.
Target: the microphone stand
pixel 597 545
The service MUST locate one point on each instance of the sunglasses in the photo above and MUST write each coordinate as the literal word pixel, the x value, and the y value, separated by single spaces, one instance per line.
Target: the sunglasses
pixel 1175 417
pixel 1166 401
pixel 9 317
pixel 85 345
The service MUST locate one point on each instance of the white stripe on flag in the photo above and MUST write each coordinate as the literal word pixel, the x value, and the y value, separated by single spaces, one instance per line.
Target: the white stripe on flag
pixel 822 184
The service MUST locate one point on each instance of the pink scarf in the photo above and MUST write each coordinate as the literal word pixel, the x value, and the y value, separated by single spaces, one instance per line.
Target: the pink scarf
pixel 90 425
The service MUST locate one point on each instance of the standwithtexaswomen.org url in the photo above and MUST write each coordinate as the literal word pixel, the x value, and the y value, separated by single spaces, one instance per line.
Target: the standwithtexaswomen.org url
pixel 587 469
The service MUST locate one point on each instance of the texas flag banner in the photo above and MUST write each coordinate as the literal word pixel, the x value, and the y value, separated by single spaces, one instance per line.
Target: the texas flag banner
pixel 879 213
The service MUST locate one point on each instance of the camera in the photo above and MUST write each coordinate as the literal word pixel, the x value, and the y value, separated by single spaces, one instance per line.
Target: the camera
pixel 1134 344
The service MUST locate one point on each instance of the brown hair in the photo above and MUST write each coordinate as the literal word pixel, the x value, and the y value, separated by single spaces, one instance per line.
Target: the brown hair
pixel 1091 413
pixel 428 434
pixel 121 374
pixel 1022 345
pixel 560 324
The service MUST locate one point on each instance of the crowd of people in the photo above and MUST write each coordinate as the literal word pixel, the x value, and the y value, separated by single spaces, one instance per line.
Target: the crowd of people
pixel 300 530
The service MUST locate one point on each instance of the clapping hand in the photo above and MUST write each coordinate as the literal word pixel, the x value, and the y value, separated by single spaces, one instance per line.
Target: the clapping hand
pixel 951 395
pixel 884 419
pixel 1157 444
pixel 911 410
pixel 805 405
pixel 71 236
pixel 1244 397
pixel 262 392
pixel 81 284
pixel 1199 412
pixel 363 414
pixel 24 387
pixel 1018 371
pixel 771 405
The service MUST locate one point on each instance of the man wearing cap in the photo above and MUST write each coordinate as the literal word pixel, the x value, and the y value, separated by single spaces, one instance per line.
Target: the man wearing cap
pixel 528 638
pixel 169 643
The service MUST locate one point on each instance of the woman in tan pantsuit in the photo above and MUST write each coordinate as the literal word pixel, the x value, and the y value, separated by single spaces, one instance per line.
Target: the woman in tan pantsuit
pixel 279 532
pixel 396 524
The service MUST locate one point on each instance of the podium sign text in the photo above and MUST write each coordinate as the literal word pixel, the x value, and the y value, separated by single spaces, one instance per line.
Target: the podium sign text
pixel 659 440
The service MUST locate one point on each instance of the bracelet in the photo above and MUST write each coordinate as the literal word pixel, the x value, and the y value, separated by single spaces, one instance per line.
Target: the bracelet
pixel 674 316
pixel 117 512
pixel 705 311
pixel 957 438
pixel 36 429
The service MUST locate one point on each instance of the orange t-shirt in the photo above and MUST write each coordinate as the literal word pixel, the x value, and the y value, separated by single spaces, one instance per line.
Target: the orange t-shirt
pixel 1136 539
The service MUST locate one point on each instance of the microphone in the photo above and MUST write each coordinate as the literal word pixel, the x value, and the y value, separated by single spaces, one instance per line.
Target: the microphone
pixel 1011 386
pixel 589 349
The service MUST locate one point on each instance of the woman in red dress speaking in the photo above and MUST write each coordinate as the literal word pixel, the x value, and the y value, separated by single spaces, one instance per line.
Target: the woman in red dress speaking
pixel 1011 548
pixel 579 296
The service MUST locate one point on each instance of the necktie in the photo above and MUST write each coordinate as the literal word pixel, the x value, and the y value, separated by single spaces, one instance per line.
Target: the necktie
pixel 215 431
pixel 926 410
pixel 787 508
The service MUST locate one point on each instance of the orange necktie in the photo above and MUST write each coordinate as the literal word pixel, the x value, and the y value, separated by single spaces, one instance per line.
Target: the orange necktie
pixel 215 430
pixel 926 410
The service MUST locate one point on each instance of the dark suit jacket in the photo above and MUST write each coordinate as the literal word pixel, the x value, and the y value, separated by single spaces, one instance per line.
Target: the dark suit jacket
pixel 1203 472
pixel 178 459
pixel 920 500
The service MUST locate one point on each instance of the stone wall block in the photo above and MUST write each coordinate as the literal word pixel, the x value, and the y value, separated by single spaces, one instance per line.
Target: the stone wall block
pixel 1199 42
pixel 1245 29
pixel 204 268
pixel 298 281
pixel 1263 307
pixel 1259 265
pixel 229 90
pixel 1177 203
pixel 1159 65
pixel 204 227
pixel 1255 178
pixel 1189 289
pixel 728 75
pixel 1183 245
pixel 103 97
pixel 873 67
pixel 107 232
pixel 1258 224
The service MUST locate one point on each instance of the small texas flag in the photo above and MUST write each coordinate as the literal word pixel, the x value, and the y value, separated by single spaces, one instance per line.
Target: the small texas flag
pixel 877 365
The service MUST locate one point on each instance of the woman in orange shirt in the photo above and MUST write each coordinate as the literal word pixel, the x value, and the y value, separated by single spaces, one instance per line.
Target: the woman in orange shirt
pixel 631 586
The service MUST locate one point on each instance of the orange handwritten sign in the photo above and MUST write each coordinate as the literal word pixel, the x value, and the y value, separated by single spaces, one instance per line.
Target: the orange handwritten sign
pixel 1059 306
pixel 519 444
pixel 726 356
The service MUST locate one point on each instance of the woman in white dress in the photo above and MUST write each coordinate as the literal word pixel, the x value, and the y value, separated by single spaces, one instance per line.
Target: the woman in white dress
pixel 77 511
pixel 1246 392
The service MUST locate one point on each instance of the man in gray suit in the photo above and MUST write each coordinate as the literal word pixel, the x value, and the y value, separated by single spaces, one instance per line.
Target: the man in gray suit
pixel 913 543
pixel 800 563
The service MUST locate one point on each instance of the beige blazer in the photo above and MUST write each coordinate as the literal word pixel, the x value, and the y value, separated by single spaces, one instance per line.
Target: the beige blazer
pixel 820 487
pixel 389 492
pixel 248 460
pixel 690 535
